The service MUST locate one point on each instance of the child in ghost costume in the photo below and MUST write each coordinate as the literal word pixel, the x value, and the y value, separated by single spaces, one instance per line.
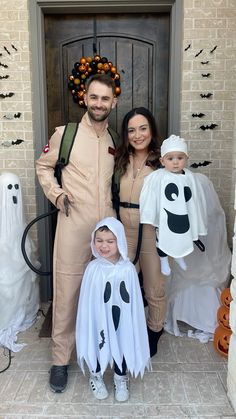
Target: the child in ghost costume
pixel 173 200
pixel 111 326
pixel 19 293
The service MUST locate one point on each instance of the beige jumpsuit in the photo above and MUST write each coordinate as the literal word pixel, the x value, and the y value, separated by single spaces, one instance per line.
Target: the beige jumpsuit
pixel 149 262
pixel 87 177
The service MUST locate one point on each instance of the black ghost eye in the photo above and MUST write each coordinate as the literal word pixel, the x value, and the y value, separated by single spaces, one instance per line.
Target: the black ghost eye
pixel 16 186
pixel 9 186
pixel 187 193
pixel 124 293
pixel 107 292
pixel 171 191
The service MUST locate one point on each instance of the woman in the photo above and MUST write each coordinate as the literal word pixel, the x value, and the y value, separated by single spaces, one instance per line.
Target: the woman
pixel 136 157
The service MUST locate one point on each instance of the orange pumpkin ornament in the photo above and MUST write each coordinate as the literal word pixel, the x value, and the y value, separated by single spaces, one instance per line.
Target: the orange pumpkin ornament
pixel 225 297
pixel 223 317
pixel 221 340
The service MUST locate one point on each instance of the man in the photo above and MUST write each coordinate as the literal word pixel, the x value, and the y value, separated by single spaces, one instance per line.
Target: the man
pixel 86 181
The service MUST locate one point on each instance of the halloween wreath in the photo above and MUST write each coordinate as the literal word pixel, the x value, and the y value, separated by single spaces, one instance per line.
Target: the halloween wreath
pixel 86 67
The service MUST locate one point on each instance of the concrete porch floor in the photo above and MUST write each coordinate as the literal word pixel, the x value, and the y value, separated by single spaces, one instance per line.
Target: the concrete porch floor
pixel 188 380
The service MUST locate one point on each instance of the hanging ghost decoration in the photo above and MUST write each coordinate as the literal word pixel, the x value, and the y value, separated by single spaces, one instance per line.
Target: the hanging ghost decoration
pixel 19 297
pixel 111 321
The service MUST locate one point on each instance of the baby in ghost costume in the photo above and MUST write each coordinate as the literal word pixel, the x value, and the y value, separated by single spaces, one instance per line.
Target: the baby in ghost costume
pixel 173 200
pixel 111 326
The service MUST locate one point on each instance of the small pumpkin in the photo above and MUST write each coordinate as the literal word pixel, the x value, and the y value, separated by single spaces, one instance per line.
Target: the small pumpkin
pixel 221 340
pixel 225 297
pixel 223 317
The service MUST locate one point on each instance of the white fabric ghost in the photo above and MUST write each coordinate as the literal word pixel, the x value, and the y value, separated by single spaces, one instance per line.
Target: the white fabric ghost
pixel 19 295
pixel 109 289
pixel 194 294
pixel 176 205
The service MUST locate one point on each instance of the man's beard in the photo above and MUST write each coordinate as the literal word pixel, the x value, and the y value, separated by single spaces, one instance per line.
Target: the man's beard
pixel 98 118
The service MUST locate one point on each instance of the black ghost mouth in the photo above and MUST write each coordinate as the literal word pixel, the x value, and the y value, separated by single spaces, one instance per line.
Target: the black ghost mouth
pixel 177 223
pixel 14 198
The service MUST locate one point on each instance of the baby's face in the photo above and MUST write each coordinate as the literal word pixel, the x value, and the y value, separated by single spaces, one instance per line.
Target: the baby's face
pixel 174 161
pixel 106 245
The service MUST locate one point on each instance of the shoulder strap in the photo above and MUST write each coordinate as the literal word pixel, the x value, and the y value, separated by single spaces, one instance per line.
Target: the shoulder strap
pixel 114 135
pixel 66 145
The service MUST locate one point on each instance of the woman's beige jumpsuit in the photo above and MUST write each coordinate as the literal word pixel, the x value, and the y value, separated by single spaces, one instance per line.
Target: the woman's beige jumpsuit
pixel 149 263
pixel 87 178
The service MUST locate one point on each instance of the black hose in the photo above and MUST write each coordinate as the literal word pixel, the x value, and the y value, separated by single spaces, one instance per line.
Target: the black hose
pixel 23 240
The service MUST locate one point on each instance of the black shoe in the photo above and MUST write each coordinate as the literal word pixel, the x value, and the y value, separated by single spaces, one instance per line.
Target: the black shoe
pixel 58 378
pixel 153 338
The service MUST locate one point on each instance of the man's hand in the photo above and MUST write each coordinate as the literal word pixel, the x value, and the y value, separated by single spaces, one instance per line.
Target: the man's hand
pixel 63 203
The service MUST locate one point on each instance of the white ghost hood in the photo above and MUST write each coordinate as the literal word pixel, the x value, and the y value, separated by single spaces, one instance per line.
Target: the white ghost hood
pixel 118 230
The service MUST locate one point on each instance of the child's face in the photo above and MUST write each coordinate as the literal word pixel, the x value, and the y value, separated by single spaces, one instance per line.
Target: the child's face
pixel 174 161
pixel 106 245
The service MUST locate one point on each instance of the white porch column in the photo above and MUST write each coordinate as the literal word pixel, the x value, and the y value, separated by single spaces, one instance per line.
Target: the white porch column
pixel 231 378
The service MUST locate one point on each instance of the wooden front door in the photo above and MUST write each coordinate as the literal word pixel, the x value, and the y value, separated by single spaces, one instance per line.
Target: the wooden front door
pixel 138 44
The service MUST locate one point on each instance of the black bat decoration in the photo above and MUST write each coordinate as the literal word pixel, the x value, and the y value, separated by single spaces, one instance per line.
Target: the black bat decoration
pixel 207 95
pixel 204 163
pixel 4 65
pixel 13 46
pixel 213 49
pixel 204 62
pixel 4 77
pixel 17 142
pixel 103 339
pixel 186 49
pixel 3 96
pixel 17 115
pixel 206 75
pixel 199 53
pixel 212 126
pixel 7 50
pixel 198 115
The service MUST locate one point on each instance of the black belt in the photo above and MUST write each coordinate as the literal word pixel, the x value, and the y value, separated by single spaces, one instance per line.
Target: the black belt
pixel 128 205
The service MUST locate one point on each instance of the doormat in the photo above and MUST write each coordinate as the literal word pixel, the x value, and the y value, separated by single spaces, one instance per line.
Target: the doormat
pixel 46 329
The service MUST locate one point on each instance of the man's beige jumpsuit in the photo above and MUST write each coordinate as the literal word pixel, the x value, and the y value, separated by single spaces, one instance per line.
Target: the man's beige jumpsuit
pixel 87 177
pixel 149 262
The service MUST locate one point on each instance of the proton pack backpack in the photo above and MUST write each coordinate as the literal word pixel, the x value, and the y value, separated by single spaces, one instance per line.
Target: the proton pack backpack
pixel 66 145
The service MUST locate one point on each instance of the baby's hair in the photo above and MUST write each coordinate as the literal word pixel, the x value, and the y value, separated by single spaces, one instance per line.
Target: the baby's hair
pixel 102 228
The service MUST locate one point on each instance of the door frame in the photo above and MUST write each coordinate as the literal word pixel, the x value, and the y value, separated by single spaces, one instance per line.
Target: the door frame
pixel 37 10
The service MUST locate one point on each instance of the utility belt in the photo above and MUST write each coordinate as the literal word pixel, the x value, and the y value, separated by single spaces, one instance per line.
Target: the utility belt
pixel 128 205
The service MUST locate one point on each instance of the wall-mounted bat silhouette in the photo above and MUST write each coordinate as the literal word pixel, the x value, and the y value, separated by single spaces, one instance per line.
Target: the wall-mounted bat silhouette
pixel 3 96
pixel 4 65
pixel 206 74
pixel 205 62
pixel 213 49
pixel 13 46
pixel 7 50
pixel 17 115
pixel 103 339
pixel 212 126
pixel 207 95
pixel 4 77
pixel 198 53
pixel 8 143
pixel 11 115
pixel 198 115
pixel 204 163
pixel 17 142
pixel 186 49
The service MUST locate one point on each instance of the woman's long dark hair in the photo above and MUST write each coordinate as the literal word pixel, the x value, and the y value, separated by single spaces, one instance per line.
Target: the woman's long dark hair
pixel 124 149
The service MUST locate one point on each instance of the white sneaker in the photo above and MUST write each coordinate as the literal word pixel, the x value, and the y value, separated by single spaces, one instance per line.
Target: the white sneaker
pixel 97 386
pixel 121 383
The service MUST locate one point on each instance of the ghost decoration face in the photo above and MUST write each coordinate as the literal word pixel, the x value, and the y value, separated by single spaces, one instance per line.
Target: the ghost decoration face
pixel 177 223
pixel 11 212
pixel 115 308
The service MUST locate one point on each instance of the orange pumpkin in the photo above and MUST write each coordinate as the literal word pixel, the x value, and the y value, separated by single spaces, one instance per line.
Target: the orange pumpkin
pixel 221 340
pixel 225 297
pixel 223 317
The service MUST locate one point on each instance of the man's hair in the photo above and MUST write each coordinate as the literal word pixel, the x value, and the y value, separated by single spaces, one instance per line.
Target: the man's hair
pixel 103 79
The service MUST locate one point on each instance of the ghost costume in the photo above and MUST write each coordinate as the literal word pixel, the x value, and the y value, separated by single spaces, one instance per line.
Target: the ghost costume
pixel 176 205
pixel 194 295
pixel 111 321
pixel 19 296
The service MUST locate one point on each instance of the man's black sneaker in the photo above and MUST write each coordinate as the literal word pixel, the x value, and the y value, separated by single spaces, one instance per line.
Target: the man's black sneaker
pixel 58 378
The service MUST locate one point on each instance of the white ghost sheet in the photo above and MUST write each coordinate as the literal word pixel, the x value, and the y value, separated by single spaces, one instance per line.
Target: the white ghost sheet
pixel 111 320
pixel 194 294
pixel 19 295
pixel 176 205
